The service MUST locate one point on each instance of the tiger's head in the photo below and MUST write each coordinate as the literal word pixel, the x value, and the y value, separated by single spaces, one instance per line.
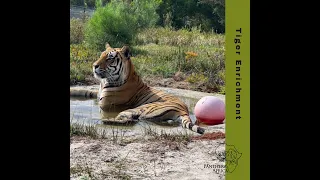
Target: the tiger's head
pixel 113 66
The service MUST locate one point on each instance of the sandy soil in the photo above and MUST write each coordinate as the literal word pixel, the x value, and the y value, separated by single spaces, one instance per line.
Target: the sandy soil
pixel 145 159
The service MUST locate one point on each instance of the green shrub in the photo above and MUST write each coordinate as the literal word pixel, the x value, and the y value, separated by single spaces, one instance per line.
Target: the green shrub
pixel 118 22
pixel 145 13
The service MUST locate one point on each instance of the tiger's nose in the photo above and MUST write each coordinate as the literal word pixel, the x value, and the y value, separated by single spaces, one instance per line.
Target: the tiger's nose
pixel 96 66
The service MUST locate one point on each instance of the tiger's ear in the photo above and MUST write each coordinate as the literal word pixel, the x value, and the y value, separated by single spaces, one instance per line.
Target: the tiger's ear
pixel 126 51
pixel 108 45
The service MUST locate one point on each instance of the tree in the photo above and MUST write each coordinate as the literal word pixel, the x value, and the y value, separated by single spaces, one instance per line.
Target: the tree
pixel 206 14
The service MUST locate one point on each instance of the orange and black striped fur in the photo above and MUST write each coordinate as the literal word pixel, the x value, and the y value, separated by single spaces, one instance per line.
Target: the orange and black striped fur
pixel 122 89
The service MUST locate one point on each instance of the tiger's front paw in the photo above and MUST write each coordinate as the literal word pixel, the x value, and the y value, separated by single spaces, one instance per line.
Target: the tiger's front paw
pixel 124 117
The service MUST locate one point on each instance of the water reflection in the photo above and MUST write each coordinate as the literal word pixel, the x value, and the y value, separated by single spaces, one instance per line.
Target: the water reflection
pixel 86 111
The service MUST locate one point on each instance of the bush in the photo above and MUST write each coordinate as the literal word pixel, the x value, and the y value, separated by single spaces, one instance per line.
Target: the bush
pixel 145 12
pixel 76 31
pixel 118 22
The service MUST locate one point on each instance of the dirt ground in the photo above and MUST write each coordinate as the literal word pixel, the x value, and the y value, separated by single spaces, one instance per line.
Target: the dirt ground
pixel 146 159
pixel 175 82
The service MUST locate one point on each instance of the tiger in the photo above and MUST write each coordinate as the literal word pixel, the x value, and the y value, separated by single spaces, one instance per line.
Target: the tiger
pixel 121 88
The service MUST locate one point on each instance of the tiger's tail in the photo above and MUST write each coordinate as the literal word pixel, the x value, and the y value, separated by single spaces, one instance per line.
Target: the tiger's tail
pixel 90 94
pixel 187 123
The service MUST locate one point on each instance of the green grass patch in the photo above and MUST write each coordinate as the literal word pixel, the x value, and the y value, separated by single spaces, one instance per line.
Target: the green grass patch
pixel 79 129
pixel 181 37
pixel 81 60
pixel 200 56
pixel 164 52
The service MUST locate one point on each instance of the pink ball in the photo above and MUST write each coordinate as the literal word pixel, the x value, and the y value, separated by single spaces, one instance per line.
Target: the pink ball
pixel 210 110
